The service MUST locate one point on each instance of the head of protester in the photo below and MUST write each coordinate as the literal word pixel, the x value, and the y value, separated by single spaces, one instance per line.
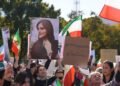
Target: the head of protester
pixel 22 79
pixel 95 79
pixel 41 72
pixel 116 79
pixel 59 73
pixel 108 71
pixel 42 79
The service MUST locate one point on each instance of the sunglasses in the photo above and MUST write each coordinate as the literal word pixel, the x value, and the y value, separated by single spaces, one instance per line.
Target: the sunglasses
pixel 60 78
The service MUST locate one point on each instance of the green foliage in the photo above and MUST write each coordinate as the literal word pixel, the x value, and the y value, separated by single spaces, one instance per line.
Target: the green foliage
pixel 62 23
pixel 101 35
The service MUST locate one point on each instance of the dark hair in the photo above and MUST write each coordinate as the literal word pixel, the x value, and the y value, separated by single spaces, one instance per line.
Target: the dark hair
pixel 50 35
pixel 2 73
pixel 59 71
pixel 20 78
pixel 94 64
pixel 110 64
pixel 39 67
pixel 49 28
pixel 32 65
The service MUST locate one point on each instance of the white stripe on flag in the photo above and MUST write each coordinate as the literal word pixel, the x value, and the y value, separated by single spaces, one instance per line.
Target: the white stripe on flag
pixel 113 3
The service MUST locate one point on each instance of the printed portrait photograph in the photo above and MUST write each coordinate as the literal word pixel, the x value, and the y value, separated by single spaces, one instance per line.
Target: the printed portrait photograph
pixel 44 38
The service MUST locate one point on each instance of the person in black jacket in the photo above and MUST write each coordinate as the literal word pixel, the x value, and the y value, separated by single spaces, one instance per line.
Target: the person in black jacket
pixel 41 78
pixel 22 79
pixel 31 72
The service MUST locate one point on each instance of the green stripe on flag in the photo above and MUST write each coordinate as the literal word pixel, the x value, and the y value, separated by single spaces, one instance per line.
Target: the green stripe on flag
pixel 68 25
pixel 58 82
pixel 17 39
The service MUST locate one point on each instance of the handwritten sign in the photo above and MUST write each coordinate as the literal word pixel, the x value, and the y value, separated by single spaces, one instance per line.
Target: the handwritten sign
pixel 76 51
pixel 108 54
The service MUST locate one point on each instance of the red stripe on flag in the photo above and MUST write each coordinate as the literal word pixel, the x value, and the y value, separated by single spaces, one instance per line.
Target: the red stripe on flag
pixel 69 77
pixel 1 57
pixel 75 34
pixel 111 13
pixel 15 49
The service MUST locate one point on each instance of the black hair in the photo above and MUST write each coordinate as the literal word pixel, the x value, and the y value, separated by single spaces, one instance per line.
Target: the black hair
pixel 20 78
pixel 94 64
pixel 32 65
pixel 2 73
pixel 111 67
pixel 38 68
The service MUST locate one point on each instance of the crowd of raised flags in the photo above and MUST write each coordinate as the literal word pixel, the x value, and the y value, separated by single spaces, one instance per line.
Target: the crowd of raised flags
pixel 111 10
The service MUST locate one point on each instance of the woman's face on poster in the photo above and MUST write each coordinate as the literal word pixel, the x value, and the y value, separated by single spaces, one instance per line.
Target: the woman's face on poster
pixel 42 32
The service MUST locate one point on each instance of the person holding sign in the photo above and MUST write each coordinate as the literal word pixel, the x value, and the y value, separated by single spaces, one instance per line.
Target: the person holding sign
pixel 46 45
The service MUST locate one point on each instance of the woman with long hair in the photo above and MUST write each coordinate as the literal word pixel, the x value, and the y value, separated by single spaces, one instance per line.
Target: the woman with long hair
pixel 46 46
pixel 108 71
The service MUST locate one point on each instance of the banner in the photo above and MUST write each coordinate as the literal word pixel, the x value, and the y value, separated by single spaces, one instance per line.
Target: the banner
pixel 44 38
pixel 76 51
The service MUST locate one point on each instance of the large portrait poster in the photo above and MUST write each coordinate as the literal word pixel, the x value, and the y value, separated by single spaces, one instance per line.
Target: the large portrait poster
pixel 44 38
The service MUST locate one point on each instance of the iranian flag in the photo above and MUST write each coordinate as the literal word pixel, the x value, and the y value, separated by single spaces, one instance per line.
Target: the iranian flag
pixel 69 75
pixel 2 54
pixel 111 10
pixel 74 29
pixel 16 43
pixel 57 83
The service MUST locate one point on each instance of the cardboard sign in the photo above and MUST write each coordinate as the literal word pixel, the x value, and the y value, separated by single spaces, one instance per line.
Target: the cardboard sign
pixel 44 38
pixel 117 58
pixel 108 54
pixel 76 51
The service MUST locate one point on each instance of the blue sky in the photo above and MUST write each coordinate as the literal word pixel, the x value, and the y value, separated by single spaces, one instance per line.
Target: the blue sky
pixel 85 5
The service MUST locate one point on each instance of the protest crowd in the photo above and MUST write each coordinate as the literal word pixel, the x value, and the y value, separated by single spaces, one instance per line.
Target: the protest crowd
pixel 74 67
pixel 52 61
pixel 35 74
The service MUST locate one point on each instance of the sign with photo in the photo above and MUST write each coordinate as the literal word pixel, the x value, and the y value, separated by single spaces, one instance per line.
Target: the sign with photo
pixel 44 38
